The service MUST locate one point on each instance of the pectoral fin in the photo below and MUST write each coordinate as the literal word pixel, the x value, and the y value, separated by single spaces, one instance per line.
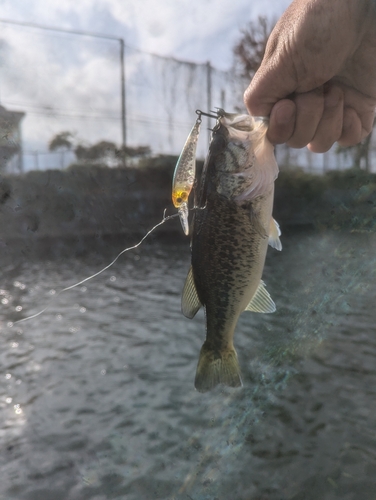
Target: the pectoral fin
pixel 274 234
pixel 190 303
pixel 261 301
pixel 255 221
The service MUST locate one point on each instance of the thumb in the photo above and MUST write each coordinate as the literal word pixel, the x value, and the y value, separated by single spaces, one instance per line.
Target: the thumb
pixel 270 84
pixel 267 95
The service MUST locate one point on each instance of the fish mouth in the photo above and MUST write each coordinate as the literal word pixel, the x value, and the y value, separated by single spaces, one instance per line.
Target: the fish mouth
pixel 241 122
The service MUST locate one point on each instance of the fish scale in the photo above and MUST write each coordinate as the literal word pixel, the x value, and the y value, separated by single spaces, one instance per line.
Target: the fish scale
pixel 221 251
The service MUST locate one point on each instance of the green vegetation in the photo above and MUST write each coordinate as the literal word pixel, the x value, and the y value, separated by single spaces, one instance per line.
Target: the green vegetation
pixel 250 48
pixel 63 140
pixel 99 200
pixel 85 200
pixel 337 200
pixel 104 153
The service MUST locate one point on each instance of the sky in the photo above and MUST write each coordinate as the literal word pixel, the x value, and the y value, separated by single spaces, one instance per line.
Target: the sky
pixel 52 76
pixel 198 30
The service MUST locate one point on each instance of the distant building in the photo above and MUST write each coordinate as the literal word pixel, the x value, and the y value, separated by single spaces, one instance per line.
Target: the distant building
pixel 10 139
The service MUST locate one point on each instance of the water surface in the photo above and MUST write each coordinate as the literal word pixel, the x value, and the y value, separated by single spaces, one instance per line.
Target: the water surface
pixel 97 399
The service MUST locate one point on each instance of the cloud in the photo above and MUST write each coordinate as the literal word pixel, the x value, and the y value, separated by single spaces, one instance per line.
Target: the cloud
pixel 194 30
pixel 66 82
pixel 61 82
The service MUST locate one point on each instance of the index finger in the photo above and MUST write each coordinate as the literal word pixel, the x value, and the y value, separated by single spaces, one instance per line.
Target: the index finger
pixel 282 121
pixel 267 95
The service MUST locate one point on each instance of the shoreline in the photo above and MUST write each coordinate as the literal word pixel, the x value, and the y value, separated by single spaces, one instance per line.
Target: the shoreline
pixel 89 206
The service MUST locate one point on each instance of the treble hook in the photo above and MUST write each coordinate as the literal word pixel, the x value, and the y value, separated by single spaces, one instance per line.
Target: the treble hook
pixel 199 113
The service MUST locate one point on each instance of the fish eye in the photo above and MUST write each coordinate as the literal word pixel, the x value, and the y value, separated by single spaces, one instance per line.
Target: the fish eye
pixel 179 200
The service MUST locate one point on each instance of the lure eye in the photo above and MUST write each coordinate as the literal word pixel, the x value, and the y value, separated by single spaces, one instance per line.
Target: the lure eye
pixel 179 197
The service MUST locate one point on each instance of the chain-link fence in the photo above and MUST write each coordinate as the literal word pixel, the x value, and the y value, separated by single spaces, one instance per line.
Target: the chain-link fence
pixel 72 81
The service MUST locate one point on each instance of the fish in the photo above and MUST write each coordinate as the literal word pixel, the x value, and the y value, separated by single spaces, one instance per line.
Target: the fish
pixel 231 228
pixel 185 174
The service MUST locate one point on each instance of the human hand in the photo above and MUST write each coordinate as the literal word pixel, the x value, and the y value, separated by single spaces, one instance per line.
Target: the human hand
pixel 317 81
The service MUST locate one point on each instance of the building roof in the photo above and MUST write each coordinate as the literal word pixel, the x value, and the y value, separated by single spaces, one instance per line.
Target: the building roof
pixel 13 117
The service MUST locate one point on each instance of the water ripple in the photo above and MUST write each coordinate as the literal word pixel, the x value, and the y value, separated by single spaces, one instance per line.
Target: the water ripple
pixel 97 393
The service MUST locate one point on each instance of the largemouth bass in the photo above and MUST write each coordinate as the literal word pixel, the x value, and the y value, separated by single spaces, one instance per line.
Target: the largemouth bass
pixel 231 229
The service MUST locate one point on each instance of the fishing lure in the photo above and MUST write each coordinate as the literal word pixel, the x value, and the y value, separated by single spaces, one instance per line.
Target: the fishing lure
pixel 185 173
pixel 185 170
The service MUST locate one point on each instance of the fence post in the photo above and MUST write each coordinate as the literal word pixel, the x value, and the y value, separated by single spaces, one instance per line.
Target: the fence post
pixel 36 160
pixel 223 99
pixel 123 97
pixel 325 162
pixel 209 94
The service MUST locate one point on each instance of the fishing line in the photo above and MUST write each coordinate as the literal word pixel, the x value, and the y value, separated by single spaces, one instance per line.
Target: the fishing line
pixel 164 219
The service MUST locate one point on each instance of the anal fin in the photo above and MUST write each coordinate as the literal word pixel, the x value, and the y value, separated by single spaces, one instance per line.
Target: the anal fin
pixel 261 302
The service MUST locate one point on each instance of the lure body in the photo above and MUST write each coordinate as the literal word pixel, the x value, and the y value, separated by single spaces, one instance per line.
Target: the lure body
pixel 184 175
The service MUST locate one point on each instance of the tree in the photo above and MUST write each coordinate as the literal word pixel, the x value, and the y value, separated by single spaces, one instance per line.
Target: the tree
pixel 137 151
pixel 250 49
pixel 63 140
pixel 99 151
pixel 107 152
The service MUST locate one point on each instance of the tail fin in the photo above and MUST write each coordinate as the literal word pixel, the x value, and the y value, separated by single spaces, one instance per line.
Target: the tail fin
pixel 216 367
